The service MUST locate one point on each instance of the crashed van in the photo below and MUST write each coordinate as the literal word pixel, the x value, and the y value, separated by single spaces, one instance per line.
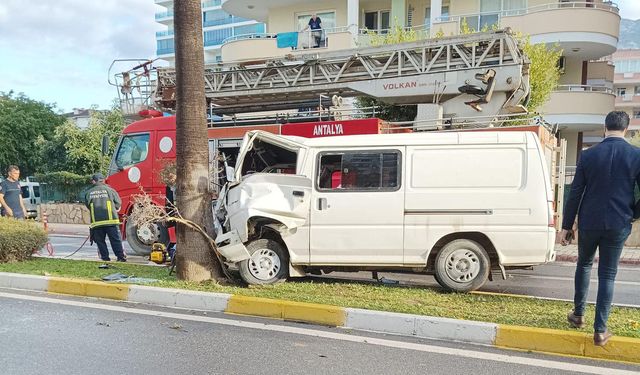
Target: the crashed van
pixel 458 205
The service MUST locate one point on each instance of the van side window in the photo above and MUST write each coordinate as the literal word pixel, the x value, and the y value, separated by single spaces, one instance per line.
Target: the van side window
pixel 36 191
pixel 25 191
pixel 353 171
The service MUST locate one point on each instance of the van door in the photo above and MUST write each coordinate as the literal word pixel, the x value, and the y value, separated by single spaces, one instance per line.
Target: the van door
pixel 357 208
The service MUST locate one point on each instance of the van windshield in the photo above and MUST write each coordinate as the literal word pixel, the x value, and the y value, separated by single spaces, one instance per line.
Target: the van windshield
pixel 265 157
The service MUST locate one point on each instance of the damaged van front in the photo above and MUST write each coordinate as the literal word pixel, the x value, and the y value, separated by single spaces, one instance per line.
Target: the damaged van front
pixel 261 209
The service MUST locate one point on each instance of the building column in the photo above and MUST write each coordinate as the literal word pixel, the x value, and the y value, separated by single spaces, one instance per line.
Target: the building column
pixel 572 147
pixel 436 11
pixel 353 17
pixel 398 13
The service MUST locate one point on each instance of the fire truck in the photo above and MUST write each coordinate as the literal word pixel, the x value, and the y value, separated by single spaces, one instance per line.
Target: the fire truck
pixel 470 81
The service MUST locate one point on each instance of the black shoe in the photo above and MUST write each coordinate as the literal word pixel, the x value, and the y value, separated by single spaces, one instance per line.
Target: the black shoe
pixel 106 260
pixel 122 259
pixel 576 321
pixel 601 338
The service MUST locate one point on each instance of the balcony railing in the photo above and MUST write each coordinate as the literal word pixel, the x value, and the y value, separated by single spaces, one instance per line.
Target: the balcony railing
pixel 224 21
pixel 165 51
pixel 160 34
pixel 583 88
pixel 249 36
pixel 163 15
pixel 211 3
pixel 476 22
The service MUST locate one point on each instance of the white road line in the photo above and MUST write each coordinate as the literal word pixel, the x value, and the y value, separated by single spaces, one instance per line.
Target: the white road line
pixel 511 359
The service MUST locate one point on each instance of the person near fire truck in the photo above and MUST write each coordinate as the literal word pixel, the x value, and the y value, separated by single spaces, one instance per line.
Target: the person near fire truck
pixel 103 203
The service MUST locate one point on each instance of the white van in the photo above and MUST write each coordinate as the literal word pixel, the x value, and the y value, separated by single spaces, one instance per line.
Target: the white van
pixel 31 198
pixel 457 205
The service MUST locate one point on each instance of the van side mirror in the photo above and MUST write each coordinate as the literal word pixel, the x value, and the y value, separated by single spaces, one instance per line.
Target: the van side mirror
pixel 105 145
pixel 230 171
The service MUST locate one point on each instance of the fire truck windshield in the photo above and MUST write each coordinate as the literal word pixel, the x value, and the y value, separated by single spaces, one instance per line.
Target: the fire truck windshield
pixel 132 149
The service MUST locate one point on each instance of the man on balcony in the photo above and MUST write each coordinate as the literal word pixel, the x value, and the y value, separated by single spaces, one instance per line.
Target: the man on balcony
pixel 315 24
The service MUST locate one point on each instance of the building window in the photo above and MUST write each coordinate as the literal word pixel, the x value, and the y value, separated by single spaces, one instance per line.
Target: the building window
pixel 627 66
pixel 257 28
pixel 377 21
pixel 359 171
pixel 444 16
pixel 621 91
pixel 492 10
pixel 216 37
pixel 637 90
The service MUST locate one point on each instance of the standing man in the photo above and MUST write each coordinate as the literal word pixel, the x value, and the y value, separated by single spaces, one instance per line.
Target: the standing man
pixel 602 195
pixel 103 203
pixel 315 24
pixel 11 195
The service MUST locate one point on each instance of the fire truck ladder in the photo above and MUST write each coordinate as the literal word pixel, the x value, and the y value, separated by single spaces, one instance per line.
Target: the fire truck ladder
pixel 470 70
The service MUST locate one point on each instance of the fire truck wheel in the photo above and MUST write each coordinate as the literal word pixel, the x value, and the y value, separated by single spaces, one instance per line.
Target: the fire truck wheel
pixel 268 264
pixel 462 266
pixel 141 238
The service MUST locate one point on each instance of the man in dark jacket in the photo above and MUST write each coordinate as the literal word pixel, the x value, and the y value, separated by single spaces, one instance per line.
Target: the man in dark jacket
pixel 103 203
pixel 602 196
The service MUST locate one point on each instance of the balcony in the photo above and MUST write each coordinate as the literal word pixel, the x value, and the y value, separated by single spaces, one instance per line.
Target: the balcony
pixel 584 29
pixel 579 107
pixel 224 21
pixel 634 124
pixel 163 17
pixel 211 3
pixel 627 101
pixel 165 33
pixel 165 51
pixel 263 45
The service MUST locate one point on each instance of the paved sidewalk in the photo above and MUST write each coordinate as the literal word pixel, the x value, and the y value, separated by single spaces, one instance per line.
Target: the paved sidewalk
pixel 630 255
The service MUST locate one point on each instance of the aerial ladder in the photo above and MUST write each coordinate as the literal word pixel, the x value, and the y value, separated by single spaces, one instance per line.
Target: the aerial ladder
pixel 453 79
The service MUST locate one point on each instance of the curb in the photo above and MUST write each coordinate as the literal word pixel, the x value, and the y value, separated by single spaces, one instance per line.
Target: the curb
pixel 497 335
pixel 574 259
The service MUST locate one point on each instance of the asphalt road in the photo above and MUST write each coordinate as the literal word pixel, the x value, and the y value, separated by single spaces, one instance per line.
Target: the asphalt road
pixel 44 334
pixel 549 281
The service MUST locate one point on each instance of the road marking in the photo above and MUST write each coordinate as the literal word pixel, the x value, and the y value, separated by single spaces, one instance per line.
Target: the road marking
pixel 504 358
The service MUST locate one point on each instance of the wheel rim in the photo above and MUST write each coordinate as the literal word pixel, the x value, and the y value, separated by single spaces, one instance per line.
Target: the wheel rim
pixel 264 264
pixel 462 266
pixel 148 233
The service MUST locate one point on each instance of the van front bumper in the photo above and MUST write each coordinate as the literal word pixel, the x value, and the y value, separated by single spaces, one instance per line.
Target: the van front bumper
pixel 231 247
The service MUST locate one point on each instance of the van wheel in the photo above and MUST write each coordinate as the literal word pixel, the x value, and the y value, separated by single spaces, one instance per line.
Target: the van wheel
pixel 268 264
pixel 462 266
pixel 141 238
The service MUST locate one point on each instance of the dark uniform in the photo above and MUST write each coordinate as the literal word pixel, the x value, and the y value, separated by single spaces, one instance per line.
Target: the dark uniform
pixel 103 203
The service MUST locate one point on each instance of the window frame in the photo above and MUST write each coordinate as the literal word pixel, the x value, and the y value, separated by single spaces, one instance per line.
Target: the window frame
pixel 120 143
pixel 359 190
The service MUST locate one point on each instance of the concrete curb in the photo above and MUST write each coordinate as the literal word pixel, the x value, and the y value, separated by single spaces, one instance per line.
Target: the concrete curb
pixel 498 335
pixel 574 259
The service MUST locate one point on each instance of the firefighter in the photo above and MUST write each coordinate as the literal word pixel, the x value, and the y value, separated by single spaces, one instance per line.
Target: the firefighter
pixel 103 203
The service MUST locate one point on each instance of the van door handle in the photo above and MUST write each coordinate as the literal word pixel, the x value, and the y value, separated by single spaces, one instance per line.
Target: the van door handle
pixel 322 204
pixel 298 193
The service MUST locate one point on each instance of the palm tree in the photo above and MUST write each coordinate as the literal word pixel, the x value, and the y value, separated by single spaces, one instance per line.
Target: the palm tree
pixel 195 261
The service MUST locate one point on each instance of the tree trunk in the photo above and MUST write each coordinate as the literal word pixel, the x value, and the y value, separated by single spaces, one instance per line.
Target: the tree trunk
pixel 195 260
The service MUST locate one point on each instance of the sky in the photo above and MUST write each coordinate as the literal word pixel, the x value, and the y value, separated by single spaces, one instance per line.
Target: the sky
pixel 60 51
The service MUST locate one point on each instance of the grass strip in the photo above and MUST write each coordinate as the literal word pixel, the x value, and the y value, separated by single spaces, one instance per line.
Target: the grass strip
pixel 528 312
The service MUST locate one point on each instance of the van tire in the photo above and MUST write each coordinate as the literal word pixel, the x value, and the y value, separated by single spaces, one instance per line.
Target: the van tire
pixel 268 263
pixel 138 245
pixel 462 266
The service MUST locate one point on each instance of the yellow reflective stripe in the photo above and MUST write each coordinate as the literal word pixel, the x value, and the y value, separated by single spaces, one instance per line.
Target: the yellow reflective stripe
pixel 105 222
pixel 109 210
pixel 93 216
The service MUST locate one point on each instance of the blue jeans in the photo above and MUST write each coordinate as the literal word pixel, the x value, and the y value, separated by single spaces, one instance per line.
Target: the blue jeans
pixel 610 243
pixel 99 236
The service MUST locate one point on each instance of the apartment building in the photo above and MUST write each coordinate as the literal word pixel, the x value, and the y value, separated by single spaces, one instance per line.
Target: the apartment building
pixel 585 30
pixel 217 25
pixel 627 84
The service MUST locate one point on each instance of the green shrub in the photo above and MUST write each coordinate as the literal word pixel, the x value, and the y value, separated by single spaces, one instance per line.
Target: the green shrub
pixel 19 239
